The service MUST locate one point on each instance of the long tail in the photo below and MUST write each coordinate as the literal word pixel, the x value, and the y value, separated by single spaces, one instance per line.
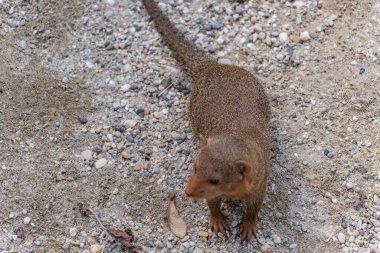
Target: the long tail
pixel 190 58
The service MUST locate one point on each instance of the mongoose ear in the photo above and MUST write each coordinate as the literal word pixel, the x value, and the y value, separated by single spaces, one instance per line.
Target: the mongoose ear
pixel 242 168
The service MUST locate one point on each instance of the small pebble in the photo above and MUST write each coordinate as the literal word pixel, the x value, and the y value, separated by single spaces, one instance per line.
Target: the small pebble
pixel 341 237
pixel 126 155
pixel 130 123
pixel 328 153
pixel 292 246
pixel 294 38
pixel 97 148
pixel 305 36
pixel 159 244
pixel 239 10
pixel 27 220
pixel 215 26
pixel 178 136
pixel 86 155
pixel 125 87
pixel 225 61
pixel 83 119
pixel 96 248
pixel 139 110
pixel 276 239
pixel 203 233
pixel 100 163
pixel 146 111
pixel 361 71
pixel 279 215
pixel 349 185
pixel 262 240
pixel 283 37
pixel 266 248
pixel 130 138
pixel 73 232
pixel 344 224
pixel 323 110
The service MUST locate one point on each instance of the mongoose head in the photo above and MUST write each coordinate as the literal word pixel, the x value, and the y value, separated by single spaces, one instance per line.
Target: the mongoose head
pixel 223 168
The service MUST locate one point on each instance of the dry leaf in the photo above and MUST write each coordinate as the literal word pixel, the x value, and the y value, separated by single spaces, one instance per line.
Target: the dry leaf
pixel 176 223
pixel 53 114
pixel 125 239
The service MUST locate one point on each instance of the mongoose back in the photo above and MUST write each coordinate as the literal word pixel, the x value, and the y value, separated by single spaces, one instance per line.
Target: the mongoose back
pixel 229 113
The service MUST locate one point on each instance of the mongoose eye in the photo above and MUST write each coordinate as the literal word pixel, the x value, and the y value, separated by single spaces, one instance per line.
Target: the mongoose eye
pixel 214 181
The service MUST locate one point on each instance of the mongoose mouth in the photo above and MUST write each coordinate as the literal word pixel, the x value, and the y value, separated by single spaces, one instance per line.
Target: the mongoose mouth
pixel 197 194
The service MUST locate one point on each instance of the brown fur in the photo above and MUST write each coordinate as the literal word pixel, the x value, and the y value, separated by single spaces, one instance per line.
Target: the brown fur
pixel 229 114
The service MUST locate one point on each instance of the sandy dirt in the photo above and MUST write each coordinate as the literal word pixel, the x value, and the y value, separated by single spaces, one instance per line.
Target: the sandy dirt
pixel 43 175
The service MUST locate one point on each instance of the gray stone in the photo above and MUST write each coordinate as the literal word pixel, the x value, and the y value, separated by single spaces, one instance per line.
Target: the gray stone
pixel 341 237
pixel 87 155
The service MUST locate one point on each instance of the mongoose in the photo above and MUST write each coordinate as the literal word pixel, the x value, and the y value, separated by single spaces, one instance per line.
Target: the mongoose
pixel 229 113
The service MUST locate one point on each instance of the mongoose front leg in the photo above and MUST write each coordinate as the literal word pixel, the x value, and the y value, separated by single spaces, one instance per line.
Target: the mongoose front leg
pixel 248 225
pixel 217 221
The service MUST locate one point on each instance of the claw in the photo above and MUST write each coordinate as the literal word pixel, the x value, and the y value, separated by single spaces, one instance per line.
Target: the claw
pixel 218 224
pixel 246 231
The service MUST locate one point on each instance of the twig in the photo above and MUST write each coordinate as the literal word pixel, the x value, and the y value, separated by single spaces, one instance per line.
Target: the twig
pixel 328 239
pixel 164 90
pixel 109 237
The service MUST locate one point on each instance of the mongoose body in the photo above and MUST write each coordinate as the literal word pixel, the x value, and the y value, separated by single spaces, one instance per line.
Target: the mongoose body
pixel 229 113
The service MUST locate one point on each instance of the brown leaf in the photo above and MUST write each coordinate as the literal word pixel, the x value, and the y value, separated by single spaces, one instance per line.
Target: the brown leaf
pixel 124 238
pixel 176 224
pixel 53 114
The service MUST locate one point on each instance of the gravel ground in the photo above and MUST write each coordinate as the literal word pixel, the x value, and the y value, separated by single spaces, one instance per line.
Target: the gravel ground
pixel 94 111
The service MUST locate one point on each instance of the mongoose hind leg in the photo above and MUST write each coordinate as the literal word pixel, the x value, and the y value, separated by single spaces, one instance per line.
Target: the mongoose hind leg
pixel 217 220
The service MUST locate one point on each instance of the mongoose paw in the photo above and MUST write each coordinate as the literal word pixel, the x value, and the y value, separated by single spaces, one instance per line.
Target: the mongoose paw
pixel 247 230
pixel 219 224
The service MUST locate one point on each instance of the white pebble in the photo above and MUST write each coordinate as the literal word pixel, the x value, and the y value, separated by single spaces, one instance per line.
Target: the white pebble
pixel 341 237
pixel 305 36
pixel 276 239
pixel 298 4
pixel 87 155
pixel 283 37
pixel 27 220
pixel 100 163
pixel 130 123
pixel 224 61
pixel 125 87
pixel 349 185
pixel 73 232
pixel 110 3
